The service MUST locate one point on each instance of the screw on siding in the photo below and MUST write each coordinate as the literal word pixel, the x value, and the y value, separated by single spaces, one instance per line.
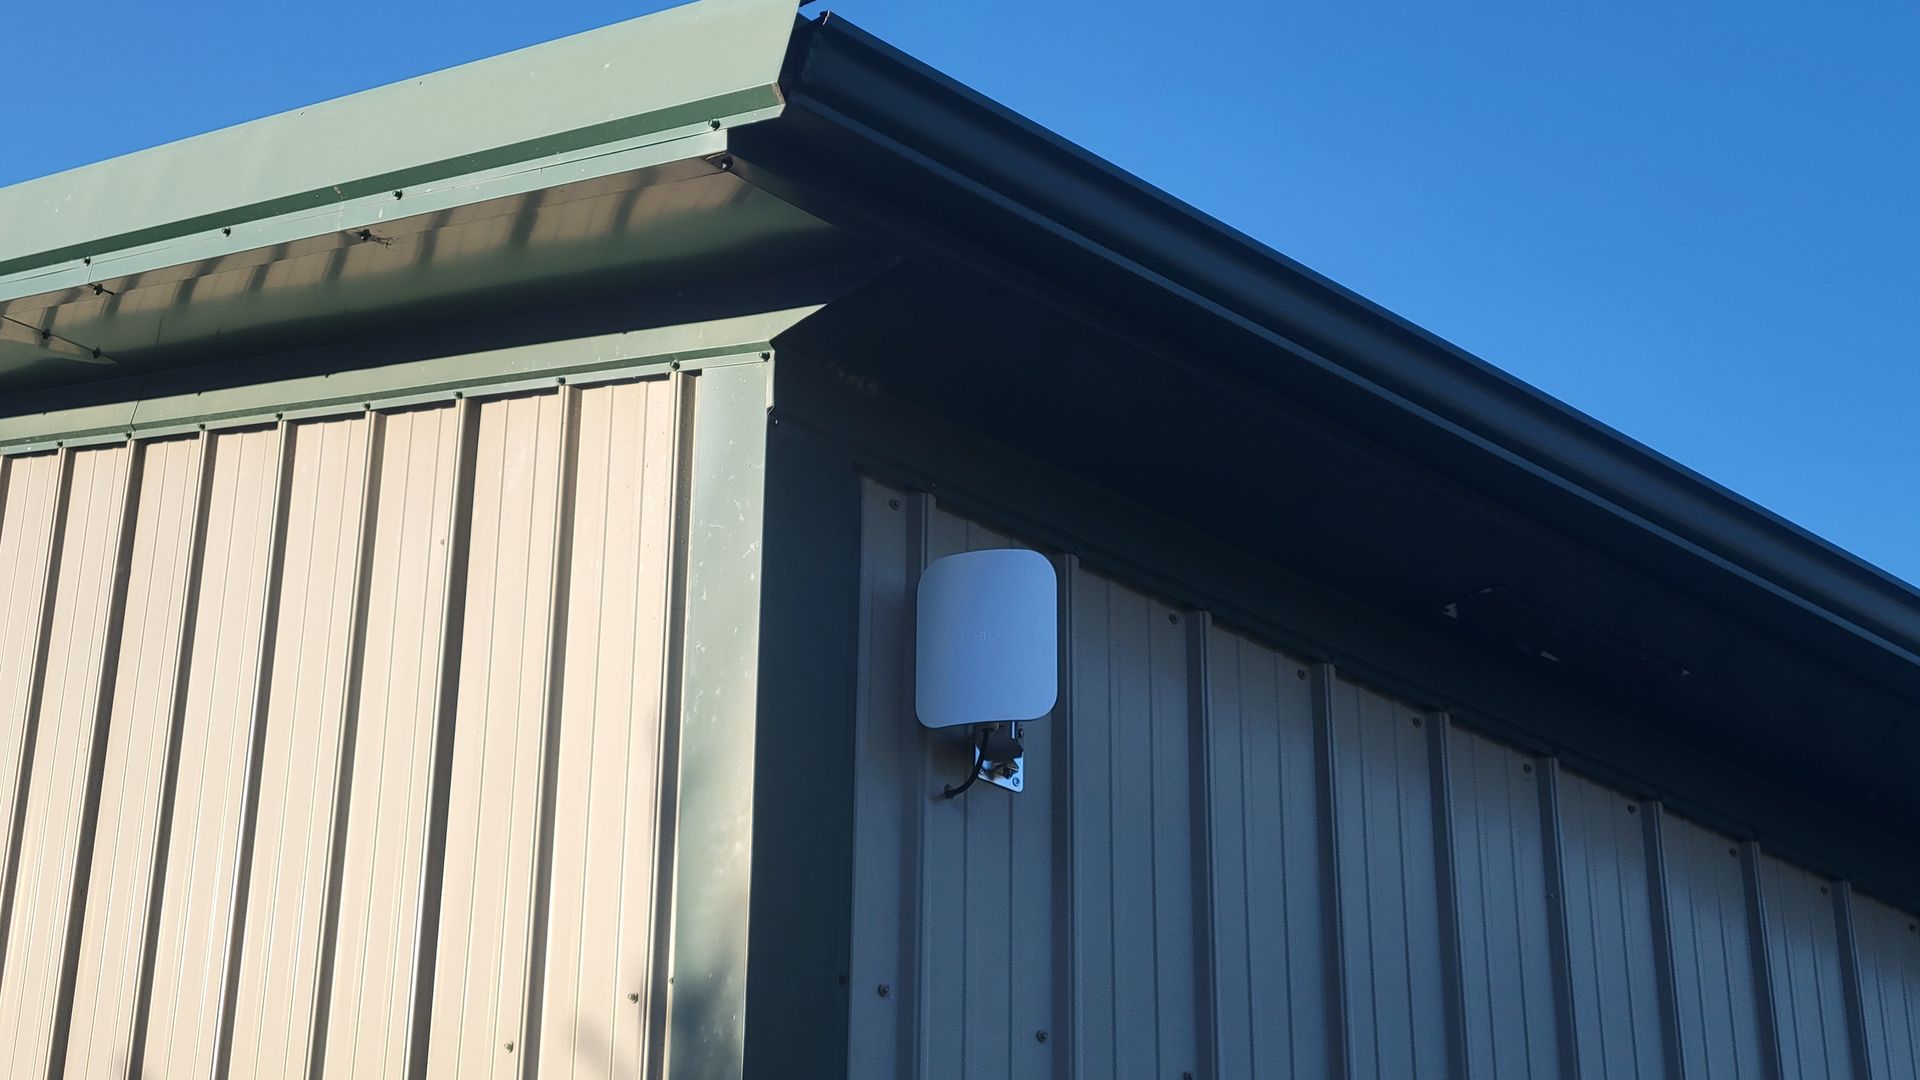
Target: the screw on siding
pixel 1526 767
pixel 714 124
pixel 1039 1036
pixel 883 990
pixel 1187 1075
pixel 399 194
pixel 1823 890
pixel 1301 672
pixel 633 996
pixel 509 1048
pixel 228 231
pixel 893 504
pixel 1172 618
pixel 843 979
pixel 1632 809
pixel 1734 851
pixel 1416 721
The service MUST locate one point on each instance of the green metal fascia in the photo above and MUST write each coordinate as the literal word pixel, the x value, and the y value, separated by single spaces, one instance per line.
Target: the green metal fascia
pixel 707 65
pixel 688 346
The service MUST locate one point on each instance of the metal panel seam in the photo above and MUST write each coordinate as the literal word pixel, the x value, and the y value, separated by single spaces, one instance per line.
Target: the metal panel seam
pixel 1205 835
pixel 1759 941
pixel 1333 908
pixel 1554 835
pixel 97 753
pixel 256 745
pixel 30 730
pixel 1854 1003
pixel 195 572
pixel 1662 903
pixel 1454 991
pixel 565 498
pixel 446 695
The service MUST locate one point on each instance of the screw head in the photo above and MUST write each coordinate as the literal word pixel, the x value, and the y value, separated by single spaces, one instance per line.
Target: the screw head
pixel 1039 1036
pixel 1172 617
pixel 1632 809
pixel 1526 767
pixel 883 990
pixel 509 1048
pixel 1416 721
pixel 1301 672
pixel 893 504
pixel 631 996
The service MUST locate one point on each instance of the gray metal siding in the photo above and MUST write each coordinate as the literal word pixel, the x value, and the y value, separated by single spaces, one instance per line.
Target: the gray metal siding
pixel 1614 970
pixel 1805 964
pixel 1234 862
pixel 1263 823
pixel 1889 958
pixel 1502 896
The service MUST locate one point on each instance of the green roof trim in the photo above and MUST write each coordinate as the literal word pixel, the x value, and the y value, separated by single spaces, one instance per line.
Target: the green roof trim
pixel 664 76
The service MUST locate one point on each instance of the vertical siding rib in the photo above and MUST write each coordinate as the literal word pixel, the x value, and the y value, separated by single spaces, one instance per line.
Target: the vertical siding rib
pixel 1813 1005
pixel 1616 957
pixel 362 1026
pixel 108 961
pixel 180 1032
pixel 347 751
pixel 1559 917
pixel 1721 1035
pixel 59 749
pixel 1760 942
pixel 1889 956
pixel 302 714
pixel 37 493
pixel 429 894
pixel 1851 971
pixel 272 589
pixel 1264 797
pixel 494 770
pixel 1453 968
pixel 1511 1003
pixel 1133 812
pixel 1326 755
pixel 607 747
pixel 1395 975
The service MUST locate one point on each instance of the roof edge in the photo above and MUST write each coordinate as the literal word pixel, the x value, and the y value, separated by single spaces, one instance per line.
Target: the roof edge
pixel 850 78
pixel 710 64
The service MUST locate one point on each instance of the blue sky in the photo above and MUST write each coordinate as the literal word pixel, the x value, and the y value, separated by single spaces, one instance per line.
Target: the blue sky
pixel 1697 222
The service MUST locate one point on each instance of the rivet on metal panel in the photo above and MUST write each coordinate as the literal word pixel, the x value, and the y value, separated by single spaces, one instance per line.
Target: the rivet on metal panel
pixel 883 990
pixel 509 1048
pixel 633 996
pixel 1039 1036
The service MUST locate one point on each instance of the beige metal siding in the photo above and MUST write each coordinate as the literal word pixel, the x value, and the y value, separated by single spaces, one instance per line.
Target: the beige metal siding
pixel 341 746
pixel 1231 862
pixel 36 901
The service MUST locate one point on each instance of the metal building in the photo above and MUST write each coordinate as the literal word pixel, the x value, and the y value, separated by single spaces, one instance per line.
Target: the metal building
pixel 459 545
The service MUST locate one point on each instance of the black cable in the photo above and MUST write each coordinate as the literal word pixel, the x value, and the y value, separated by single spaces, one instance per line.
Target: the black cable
pixel 979 758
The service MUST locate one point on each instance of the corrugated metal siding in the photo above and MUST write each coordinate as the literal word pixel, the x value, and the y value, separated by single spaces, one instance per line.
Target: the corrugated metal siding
pixel 1232 862
pixel 1889 957
pixel 338 745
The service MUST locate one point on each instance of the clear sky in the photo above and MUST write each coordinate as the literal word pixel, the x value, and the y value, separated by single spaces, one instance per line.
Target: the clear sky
pixel 1698 222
